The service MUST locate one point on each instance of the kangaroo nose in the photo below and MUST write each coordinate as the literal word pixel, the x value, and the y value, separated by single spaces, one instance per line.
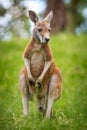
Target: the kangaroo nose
pixel 47 39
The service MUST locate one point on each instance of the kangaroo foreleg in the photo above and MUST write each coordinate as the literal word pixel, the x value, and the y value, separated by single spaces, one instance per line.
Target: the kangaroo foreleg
pixel 46 67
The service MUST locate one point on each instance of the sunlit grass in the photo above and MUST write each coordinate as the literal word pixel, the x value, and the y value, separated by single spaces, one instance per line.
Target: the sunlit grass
pixel 70 112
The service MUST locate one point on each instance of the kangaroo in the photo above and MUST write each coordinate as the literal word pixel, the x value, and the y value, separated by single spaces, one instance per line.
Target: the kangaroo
pixel 40 76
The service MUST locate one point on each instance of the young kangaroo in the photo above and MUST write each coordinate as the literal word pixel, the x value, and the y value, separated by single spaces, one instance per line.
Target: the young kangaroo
pixel 40 76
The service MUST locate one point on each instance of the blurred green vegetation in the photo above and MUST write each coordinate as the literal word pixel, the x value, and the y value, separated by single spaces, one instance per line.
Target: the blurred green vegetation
pixel 70 111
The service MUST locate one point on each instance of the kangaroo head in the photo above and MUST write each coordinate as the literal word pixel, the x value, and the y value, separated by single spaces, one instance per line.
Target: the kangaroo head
pixel 41 31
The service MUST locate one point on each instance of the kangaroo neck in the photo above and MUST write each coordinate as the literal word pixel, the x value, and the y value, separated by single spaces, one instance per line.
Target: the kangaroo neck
pixel 37 43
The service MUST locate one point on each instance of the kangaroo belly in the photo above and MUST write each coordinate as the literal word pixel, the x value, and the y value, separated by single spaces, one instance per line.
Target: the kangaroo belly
pixel 37 64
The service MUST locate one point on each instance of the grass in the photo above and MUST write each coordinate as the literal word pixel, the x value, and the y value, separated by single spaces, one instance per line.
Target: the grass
pixel 70 111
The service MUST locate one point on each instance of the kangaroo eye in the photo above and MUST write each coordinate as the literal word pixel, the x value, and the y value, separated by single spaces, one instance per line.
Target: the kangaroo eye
pixel 39 30
pixel 49 30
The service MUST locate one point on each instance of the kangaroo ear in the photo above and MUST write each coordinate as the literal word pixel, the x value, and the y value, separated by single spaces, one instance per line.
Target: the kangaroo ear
pixel 49 17
pixel 33 16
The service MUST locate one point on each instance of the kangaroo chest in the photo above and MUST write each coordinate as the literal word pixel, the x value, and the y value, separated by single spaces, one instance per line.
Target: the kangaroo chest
pixel 37 63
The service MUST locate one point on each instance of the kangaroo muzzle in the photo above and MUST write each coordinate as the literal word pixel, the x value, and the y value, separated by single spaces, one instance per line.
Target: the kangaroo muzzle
pixel 45 40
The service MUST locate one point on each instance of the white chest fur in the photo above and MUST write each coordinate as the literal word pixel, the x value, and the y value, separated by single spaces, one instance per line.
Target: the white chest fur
pixel 37 63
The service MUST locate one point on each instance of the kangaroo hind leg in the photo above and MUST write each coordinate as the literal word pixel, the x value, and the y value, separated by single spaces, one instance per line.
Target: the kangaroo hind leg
pixel 25 93
pixel 54 92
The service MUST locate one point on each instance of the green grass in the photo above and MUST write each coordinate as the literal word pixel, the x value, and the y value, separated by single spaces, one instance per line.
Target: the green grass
pixel 70 111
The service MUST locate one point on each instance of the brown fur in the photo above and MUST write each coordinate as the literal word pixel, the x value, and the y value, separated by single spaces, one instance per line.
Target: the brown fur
pixel 48 55
pixel 51 86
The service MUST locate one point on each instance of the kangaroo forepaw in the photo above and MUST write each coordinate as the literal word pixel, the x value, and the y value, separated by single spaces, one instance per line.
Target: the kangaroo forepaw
pixel 39 84
pixel 32 83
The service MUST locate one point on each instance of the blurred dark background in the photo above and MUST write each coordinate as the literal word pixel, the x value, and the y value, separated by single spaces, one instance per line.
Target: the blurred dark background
pixel 69 16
